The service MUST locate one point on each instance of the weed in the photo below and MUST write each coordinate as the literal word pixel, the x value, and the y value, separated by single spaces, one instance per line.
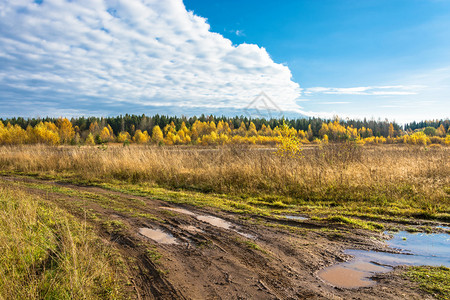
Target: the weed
pixel 434 280
pixel 47 253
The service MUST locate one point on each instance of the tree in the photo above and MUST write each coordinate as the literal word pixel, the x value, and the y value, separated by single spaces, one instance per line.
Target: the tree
pixel 440 131
pixel 323 130
pixel 289 144
pixel 65 130
pixel 430 131
pixel 252 130
pixel 310 132
pixel 105 135
pixel 90 139
pixel 45 133
pixel 242 130
pixel 157 135
pixel 141 137
pixel 123 137
pixel 391 130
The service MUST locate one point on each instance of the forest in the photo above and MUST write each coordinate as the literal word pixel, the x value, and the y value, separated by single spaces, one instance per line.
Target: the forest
pixel 165 130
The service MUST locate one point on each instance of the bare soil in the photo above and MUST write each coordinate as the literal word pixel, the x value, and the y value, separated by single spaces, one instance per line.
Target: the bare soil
pixel 210 262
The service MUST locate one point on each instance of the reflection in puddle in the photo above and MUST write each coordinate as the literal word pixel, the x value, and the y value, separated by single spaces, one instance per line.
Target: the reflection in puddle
pixel 418 248
pixel 352 275
pixel 158 236
pixel 215 221
pixel 295 217
pixel 179 210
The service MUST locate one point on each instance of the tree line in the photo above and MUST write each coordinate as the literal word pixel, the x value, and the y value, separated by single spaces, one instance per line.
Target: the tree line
pixel 213 130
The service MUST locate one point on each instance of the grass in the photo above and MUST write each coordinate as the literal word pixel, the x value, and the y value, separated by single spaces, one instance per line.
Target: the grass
pixel 153 254
pixel 48 254
pixel 433 280
pixel 390 181
pixel 355 222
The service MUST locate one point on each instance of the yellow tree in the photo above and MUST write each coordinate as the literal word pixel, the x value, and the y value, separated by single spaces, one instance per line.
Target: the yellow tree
pixel 441 131
pixel 252 130
pixel 288 145
pixel 123 137
pixel 94 128
pixel 323 130
pixel 242 130
pixel 45 133
pixel 223 128
pixel 157 135
pixel 212 127
pixel 105 135
pixel 90 139
pixel 310 133
pixel 65 130
pixel 391 130
pixel 141 137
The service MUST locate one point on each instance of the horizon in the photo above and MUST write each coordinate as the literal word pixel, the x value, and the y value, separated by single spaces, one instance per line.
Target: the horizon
pixel 374 60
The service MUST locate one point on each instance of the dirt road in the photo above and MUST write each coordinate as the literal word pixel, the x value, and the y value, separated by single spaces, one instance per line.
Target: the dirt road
pixel 208 254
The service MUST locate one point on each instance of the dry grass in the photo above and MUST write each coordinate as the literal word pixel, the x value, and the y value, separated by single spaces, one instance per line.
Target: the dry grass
pixel 45 253
pixel 401 176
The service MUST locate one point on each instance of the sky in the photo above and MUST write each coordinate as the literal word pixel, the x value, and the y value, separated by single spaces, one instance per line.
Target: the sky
pixel 351 58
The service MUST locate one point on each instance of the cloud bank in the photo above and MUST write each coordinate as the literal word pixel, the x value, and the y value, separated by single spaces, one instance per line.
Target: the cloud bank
pixel 391 90
pixel 100 56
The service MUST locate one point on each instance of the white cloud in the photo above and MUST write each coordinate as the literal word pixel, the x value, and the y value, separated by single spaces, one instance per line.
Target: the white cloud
pixel 130 52
pixel 391 90
pixel 333 102
pixel 239 33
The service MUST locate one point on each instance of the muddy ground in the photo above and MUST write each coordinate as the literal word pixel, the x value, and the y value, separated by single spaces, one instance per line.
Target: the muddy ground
pixel 256 258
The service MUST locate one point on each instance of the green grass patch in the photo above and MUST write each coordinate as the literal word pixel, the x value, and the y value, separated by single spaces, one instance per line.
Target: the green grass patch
pixel 433 280
pixel 369 225
pixel 48 254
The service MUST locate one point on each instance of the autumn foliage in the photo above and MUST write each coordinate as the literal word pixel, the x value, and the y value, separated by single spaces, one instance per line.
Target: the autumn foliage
pixel 221 132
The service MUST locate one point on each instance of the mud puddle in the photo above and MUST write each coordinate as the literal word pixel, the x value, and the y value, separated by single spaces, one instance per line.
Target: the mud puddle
pixel 179 210
pixel 214 221
pixel 353 274
pixel 418 249
pixel 158 236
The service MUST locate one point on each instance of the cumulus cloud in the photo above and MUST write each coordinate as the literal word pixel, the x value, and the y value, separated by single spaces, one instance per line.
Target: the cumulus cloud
pixel 389 90
pixel 85 54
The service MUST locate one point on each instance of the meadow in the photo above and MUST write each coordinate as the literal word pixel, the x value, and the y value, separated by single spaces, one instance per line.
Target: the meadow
pixel 397 180
pixel 370 188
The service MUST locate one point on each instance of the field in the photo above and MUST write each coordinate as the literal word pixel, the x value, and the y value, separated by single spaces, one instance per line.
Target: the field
pixel 87 204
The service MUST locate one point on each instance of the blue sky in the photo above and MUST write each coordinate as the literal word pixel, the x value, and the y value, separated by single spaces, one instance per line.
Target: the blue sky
pixel 350 44
pixel 381 59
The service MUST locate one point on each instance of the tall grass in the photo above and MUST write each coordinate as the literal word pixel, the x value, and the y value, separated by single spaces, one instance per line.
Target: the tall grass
pixel 47 254
pixel 410 175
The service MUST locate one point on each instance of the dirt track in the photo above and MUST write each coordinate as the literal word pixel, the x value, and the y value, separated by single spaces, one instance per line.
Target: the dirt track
pixel 210 262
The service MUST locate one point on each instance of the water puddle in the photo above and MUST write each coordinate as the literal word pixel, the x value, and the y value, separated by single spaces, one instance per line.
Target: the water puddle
pixel 418 249
pixel 215 221
pixel 158 236
pixel 353 274
pixel 180 210
pixel 300 218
